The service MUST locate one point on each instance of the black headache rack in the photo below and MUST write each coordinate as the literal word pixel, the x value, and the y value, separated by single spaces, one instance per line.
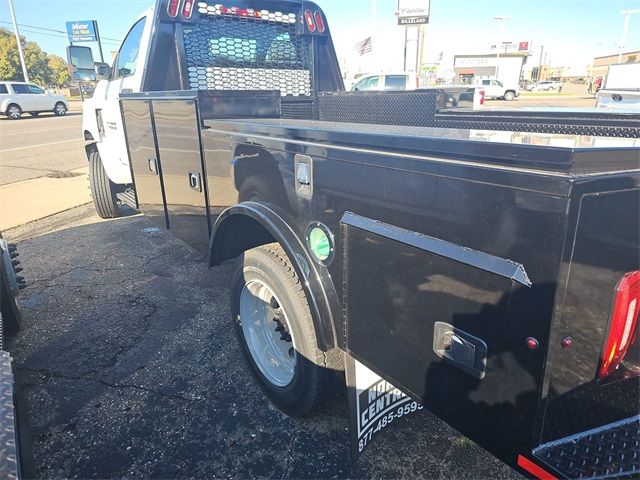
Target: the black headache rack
pixel 446 107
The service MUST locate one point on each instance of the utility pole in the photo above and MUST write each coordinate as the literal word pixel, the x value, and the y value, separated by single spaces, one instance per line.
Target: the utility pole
pixel 540 64
pixel 501 19
pixel 25 73
pixel 625 29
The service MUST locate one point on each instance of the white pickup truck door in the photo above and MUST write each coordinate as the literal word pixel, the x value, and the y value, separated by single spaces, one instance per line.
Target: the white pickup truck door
pixel 128 69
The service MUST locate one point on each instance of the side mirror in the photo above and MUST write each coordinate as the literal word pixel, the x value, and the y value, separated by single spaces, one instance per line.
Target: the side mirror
pixel 80 63
pixel 102 70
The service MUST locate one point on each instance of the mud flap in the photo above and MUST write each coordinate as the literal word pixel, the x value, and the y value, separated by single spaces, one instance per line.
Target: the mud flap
pixel 374 405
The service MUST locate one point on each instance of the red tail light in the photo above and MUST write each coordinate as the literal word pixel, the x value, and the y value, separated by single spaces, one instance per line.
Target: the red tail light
pixel 624 322
pixel 319 22
pixel 187 9
pixel 308 19
pixel 173 8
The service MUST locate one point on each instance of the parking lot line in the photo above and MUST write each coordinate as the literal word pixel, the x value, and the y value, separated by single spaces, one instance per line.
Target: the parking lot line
pixel 39 145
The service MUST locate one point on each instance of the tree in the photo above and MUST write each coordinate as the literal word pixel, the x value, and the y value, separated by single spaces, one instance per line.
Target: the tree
pixel 9 59
pixel 36 61
pixel 59 72
pixel 46 70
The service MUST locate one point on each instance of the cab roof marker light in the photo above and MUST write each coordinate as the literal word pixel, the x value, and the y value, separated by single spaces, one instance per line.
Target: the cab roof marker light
pixel 319 22
pixel 308 19
pixel 173 7
pixel 187 9
pixel 623 325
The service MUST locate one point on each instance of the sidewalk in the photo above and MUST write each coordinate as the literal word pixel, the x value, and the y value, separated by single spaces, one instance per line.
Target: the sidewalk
pixel 29 200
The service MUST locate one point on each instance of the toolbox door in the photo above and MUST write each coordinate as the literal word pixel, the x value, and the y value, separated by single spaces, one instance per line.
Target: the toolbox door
pixel 145 163
pixel 178 133
pixel 432 318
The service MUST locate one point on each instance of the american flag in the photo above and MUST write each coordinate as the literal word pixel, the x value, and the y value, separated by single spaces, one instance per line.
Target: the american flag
pixel 365 46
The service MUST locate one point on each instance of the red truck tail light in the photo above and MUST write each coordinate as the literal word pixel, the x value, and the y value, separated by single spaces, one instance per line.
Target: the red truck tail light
pixel 623 327
pixel 319 22
pixel 308 19
pixel 187 9
pixel 173 7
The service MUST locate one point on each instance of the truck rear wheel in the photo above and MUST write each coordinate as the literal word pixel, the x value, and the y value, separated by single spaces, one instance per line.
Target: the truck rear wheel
pixel 273 323
pixel 508 96
pixel 103 190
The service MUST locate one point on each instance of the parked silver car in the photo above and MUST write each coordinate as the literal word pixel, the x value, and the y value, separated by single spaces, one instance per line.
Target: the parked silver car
pixel 545 86
pixel 19 97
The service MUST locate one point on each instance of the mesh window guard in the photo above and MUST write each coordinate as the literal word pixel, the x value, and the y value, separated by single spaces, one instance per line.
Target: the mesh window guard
pixel 257 52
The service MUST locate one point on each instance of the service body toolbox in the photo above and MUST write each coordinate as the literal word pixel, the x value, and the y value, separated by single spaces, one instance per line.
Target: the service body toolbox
pixel 482 265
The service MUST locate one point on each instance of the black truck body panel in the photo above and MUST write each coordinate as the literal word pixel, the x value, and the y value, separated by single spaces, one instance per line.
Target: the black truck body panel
pixel 501 234
pixel 508 226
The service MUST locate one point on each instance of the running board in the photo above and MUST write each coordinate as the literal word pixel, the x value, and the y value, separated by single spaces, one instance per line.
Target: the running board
pixel 128 197
pixel 611 451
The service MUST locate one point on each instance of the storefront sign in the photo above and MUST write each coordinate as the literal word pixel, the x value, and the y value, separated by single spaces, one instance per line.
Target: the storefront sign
pixel 81 31
pixel 413 12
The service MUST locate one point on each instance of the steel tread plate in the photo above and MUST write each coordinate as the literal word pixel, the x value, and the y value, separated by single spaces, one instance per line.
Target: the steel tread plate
pixel 611 451
pixel 8 457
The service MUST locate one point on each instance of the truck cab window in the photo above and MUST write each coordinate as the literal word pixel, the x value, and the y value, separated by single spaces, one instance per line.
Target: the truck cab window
pixel 128 54
pixel 395 82
pixel 369 83
pixel 3 89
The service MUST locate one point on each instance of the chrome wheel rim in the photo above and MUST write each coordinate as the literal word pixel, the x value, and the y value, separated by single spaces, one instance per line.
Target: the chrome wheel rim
pixel 14 112
pixel 266 331
pixel 61 109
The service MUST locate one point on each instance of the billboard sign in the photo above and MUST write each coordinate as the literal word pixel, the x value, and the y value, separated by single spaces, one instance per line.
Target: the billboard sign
pixel 82 31
pixel 413 12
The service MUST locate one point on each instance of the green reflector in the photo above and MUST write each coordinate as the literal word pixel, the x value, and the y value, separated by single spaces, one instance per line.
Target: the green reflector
pixel 319 243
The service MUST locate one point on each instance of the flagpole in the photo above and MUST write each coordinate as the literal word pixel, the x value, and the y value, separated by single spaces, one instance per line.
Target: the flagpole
pixel 374 14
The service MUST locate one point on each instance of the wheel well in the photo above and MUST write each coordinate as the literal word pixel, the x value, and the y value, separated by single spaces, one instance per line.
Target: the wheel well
pixel 237 234
pixel 88 136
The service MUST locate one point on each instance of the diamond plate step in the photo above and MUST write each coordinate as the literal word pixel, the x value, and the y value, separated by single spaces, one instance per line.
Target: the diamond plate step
pixel 8 449
pixel 128 197
pixel 612 451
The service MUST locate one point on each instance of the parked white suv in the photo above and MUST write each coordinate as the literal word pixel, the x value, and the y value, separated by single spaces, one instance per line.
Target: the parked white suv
pixel 19 97
pixel 386 81
pixel 496 89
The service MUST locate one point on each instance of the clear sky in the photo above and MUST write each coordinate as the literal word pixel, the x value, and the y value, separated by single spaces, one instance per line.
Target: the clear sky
pixel 572 31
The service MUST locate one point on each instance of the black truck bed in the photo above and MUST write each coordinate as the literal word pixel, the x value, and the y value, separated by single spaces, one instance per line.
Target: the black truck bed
pixel 542 153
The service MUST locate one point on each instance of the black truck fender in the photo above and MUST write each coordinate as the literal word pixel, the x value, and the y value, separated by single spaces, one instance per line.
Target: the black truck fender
pixel 251 224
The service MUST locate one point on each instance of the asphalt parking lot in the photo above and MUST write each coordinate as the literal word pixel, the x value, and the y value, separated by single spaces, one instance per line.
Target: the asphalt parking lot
pixel 127 366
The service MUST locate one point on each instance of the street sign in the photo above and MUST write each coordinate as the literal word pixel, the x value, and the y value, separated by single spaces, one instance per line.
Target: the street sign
pixel 82 31
pixel 413 12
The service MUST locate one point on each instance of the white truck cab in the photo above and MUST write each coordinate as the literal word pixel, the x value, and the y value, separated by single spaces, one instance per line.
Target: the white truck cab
pixel 101 120
pixel 496 89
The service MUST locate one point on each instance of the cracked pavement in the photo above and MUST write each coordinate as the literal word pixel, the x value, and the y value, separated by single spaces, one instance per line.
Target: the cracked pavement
pixel 127 366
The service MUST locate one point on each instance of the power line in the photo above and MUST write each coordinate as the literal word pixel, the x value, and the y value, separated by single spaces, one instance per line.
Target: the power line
pixel 59 36
pixel 57 31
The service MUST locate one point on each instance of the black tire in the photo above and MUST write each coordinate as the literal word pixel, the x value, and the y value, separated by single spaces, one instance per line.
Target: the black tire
pixel 103 190
pixel 312 380
pixel 14 112
pixel 509 96
pixel 60 109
